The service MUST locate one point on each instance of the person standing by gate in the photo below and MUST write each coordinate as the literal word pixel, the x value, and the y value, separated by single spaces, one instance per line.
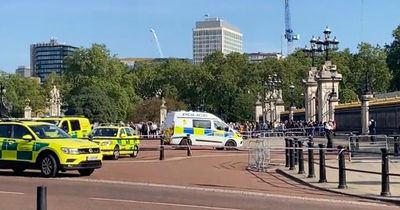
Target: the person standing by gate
pixel 329 127
pixel 372 127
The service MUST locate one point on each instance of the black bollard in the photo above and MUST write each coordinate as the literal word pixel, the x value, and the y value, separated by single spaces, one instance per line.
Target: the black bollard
pixel 291 155
pixel 286 152
pixel 385 191
pixel 295 150
pixel 188 150
pixel 162 156
pixel 322 169
pixel 301 157
pixel 311 172
pixel 396 145
pixel 41 198
pixel 342 168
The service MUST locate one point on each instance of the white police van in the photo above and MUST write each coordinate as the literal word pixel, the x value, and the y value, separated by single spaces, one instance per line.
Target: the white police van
pixel 203 128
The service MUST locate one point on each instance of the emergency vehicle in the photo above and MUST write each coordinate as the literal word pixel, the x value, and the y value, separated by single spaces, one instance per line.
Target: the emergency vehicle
pixel 76 126
pixel 116 140
pixel 44 146
pixel 202 128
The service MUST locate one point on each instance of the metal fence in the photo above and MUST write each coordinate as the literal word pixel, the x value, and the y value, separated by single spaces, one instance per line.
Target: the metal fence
pixel 367 147
pixel 259 154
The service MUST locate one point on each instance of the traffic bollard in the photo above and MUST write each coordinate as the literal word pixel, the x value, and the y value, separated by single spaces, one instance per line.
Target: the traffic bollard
pixel 311 172
pixel 396 145
pixel 162 155
pixel 301 157
pixel 188 150
pixel 342 168
pixel 322 169
pixel 385 191
pixel 41 198
pixel 291 155
pixel 295 150
pixel 286 152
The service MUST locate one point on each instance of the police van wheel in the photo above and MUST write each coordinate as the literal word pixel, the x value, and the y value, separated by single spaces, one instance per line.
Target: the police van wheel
pixel 48 166
pixel 86 172
pixel 116 153
pixel 135 152
pixel 230 144
pixel 18 171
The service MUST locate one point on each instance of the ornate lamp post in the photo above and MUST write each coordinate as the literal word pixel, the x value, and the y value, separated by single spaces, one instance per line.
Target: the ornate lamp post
pixel 327 44
pixel 365 98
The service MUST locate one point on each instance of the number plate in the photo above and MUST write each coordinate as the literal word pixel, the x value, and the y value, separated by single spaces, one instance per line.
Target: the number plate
pixel 91 158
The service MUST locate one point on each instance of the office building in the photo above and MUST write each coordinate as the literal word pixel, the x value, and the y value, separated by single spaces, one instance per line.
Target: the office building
pixel 47 58
pixel 24 71
pixel 214 34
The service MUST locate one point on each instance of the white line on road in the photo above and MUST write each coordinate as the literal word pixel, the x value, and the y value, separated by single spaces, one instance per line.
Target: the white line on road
pixel 12 193
pixel 249 193
pixel 163 204
pixel 170 159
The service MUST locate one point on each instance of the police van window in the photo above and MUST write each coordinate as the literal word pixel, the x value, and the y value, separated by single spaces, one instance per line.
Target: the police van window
pixel 202 124
pixel 129 131
pixel 75 126
pixel 5 131
pixel 219 125
pixel 64 126
pixel 19 131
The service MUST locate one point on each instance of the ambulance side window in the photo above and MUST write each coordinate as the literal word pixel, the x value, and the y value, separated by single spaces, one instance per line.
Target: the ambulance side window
pixel 5 131
pixel 75 126
pixel 202 124
pixel 19 132
pixel 64 126
pixel 129 131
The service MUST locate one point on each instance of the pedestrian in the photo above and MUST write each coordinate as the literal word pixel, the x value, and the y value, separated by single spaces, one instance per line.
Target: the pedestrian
pixel 328 127
pixel 372 129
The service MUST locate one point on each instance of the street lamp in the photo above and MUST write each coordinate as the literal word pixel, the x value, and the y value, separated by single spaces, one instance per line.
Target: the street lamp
pixel 310 52
pixel 291 89
pixel 2 100
pixel 328 43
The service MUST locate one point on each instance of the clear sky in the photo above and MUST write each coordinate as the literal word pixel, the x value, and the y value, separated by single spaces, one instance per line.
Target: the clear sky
pixel 123 25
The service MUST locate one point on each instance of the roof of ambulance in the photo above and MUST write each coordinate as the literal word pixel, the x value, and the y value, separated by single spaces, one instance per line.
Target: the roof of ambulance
pixel 190 114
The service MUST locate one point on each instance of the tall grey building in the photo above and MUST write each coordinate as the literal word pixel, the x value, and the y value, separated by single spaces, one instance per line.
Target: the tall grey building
pixel 47 58
pixel 24 71
pixel 214 34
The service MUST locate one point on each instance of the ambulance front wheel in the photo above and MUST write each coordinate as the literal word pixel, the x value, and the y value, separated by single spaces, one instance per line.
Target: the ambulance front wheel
pixel 185 141
pixel 116 153
pixel 48 165
pixel 135 152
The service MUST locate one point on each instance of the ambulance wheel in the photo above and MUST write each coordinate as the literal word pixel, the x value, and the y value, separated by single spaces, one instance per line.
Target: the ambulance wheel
pixel 116 153
pixel 135 152
pixel 86 172
pixel 185 141
pixel 230 144
pixel 48 165
pixel 18 170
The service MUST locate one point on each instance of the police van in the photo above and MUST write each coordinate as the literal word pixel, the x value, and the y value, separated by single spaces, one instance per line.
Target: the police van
pixel 204 129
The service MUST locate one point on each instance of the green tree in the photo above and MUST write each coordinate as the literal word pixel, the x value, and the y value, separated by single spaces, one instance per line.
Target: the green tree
pixel 393 59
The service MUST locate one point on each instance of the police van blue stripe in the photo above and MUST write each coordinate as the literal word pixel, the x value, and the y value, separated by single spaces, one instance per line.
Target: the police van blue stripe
pixel 188 130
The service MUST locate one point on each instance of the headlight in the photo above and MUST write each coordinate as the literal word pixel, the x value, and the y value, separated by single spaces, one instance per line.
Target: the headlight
pixel 72 151
pixel 105 143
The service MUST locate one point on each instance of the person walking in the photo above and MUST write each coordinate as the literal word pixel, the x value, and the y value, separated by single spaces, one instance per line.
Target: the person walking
pixel 329 126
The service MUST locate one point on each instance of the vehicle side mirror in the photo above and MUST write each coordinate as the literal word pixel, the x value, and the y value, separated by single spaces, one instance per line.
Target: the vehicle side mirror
pixel 27 137
pixel 123 135
pixel 226 128
pixel 90 137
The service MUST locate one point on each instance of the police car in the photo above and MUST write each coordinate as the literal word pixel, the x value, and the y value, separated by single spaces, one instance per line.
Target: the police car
pixel 44 146
pixel 116 140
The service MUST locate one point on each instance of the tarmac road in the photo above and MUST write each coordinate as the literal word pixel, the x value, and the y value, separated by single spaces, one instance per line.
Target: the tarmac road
pixel 210 179
pixel 64 193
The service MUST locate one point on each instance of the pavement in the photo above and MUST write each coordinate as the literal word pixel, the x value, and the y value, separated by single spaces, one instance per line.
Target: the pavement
pixel 362 185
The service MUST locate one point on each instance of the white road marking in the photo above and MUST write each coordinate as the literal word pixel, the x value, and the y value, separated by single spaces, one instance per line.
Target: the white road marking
pixel 12 193
pixel 170 159
pixel 163 204
pixel 249 193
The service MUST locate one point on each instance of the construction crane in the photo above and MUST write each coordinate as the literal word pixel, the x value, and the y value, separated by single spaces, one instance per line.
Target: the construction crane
pixel 289 35
pixel 158 43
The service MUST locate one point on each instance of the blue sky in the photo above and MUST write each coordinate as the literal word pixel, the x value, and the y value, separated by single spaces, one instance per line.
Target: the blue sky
pixel 123 25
